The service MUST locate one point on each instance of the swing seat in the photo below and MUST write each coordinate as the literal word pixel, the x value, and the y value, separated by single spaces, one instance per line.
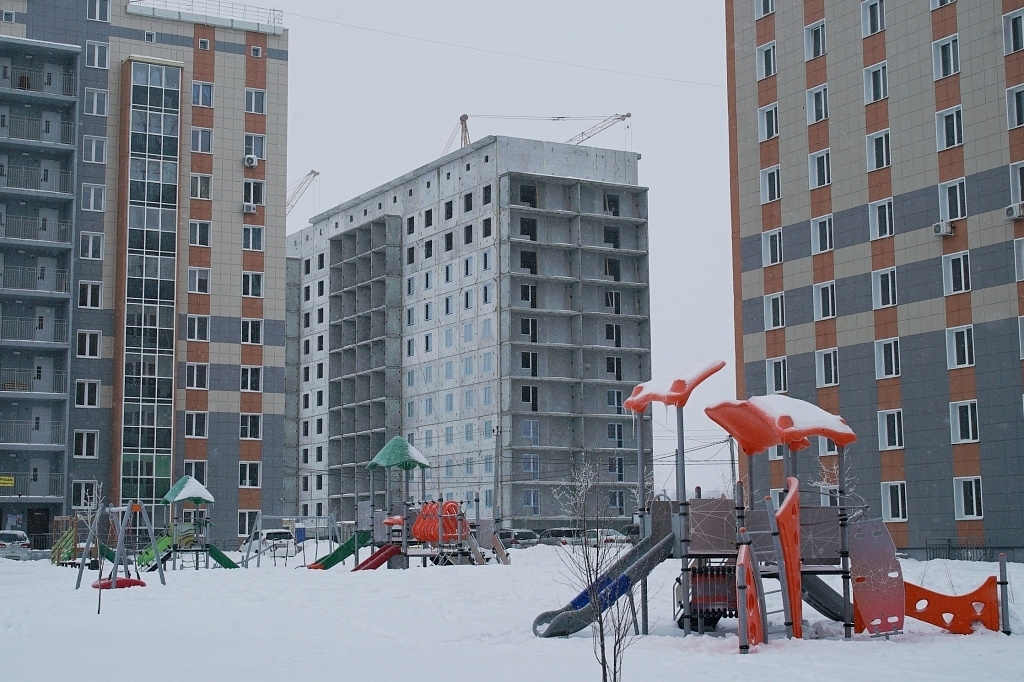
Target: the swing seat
pixel 106 583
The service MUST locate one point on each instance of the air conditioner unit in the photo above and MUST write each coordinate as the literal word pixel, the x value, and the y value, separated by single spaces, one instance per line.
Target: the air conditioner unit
pixel 248 208
pixel 943 228
pixel 251 161
pixel 1015 211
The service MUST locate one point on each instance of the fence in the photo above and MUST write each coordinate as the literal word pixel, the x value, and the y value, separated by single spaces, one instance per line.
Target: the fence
pixel 32 484
pixel 32 381
pixel 25 431
pixel 25 227
pixel 961 549
pixel 35 80
pixel 35 279
pixel 24 128
pixel 28 329
pixel 216 8
pixel 24 177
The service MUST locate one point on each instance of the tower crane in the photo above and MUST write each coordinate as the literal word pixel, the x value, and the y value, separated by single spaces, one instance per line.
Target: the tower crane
pixel 298 189
pixel 595 129
pixel 590 132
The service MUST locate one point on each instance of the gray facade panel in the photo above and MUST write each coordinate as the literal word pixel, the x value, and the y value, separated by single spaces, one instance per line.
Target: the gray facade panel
pixel 919 281
pixel 850 227
pixel 853 295
pixel 799 306
pixel 273 379
pixel 755 379
pixel 273 332
pixel 802 376
pixel 992 265
pixel 916 210
pixel 753 315
pixel 750 252
pixel 988 190
pixel 224 377
pixel 796 240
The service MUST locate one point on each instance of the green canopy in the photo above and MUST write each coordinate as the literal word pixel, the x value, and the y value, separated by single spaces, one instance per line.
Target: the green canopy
pixel 188 489
pixel 399 453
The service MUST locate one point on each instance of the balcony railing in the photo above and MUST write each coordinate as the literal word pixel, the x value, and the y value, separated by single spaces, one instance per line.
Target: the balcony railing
pixel 42 179
pixel 31 432
pixel 32 483
pixel 42 229
pixel 32 381
pixel 37 81
pixel 23 128
pixel 32 329
pixel 35 279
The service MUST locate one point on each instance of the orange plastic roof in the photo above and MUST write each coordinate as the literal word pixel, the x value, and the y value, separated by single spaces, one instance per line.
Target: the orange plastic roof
pixel 766 421
pixel 674 390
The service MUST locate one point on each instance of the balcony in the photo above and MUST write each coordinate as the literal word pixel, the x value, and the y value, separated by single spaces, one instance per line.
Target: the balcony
pixel 30 432
pixel 38 229
pixel 31 484
pixel 29 381
pixel 35 80
pixel 39 179
pixel 35 279
pixel 28 329
pixel 35 129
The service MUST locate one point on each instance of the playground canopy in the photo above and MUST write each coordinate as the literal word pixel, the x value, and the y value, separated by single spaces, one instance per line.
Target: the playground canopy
pixel 399 453
pixel 188 489
pixel 672 389
pixel 762 422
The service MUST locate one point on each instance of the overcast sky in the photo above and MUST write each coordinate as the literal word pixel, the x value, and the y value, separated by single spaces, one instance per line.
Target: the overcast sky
pixel 366 107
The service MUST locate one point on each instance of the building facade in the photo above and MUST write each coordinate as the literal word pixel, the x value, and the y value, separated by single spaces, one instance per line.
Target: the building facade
pixel 876 153
pixel 143 205
pixel 492 307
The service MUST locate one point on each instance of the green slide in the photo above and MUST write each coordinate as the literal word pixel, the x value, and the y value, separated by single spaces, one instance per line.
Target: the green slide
pixel 64 548
pixel 145 557
pixel 220 557
pixel 344 551
pixel 107 553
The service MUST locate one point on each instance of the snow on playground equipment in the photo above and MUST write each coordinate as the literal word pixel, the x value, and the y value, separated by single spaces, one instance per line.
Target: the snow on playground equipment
pixel 189 540
pixel 122 518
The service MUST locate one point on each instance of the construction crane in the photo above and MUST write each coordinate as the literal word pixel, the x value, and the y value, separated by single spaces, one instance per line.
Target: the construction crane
pixel 296 191
pixel 595 129
pixel 603 124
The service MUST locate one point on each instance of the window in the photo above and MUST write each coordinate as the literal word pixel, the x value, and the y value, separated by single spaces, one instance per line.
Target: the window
pixel 249 474
pixel 96 101
pixel 448 270
pixel 825 300
pixel 778 495
pixel 410 316
pixel 195 424
pixel 251 379
pixel 252 237
pixel 768 122
pixel 204 44
pixel 198 233
pixel 89 344
pixel 252 192
pixel 252 284
pixel 199 186
pixel 98 10
pixel 94 149
pixel 197 328
pixel 256 51
pixel 467 266
pixel 764 8
pixel 7 17
pixel 817 104
pixel 617 502
pixel 821 234
pixel 890 430
pixel 83 494
pixel 90 294
pixel 449 436
pixel 467 206
pixel 953 200
pixel 880 218
pixel 91 246
pixel 819 169
pixel 827 367
pixel 826 447
pixel 449 242
pixel 531 501
pixel 960 347
pixel 872 17
pixel 197 375
pixel 766 60
pixel 467 366
pixel 1013 32
pixel 448 210
pixel 949 128
pixel 255 101
pixel 614 401
pixel 86 444
pixel 887 358
pixel 202 140
pixel 878 152
pixel 199 280
pixel 249 426
pixel 488 395
pixel 967 498
pixel 829 495
pixel 469 439
pixel 202 94
pixel 771 185
pixel 775 311
pixel 97 55
pixel 87 393
pixel 467 299
pixel 531 431
pixel 963 421
pixel 256 145
pixel 876 83
pixel 894 501
pixel 956 273
pixel 776 375
pixel 149 37
pixel 814 40
pixel 946 57
pixel 1014 106
pixel 93 198
pixel 883 288
pixel 771 250
pixel 410 255
pixel 410 347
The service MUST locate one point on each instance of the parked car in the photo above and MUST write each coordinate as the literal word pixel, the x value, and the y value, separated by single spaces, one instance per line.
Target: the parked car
pixel 632 531
pixel 517 538
pixel 606 536
pixel 561 536
pixel 14 544
pixel 278 542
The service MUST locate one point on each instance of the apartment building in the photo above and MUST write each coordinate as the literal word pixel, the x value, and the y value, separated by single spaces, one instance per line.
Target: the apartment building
pixel 142 192
pixel 491 307
pixel 876 153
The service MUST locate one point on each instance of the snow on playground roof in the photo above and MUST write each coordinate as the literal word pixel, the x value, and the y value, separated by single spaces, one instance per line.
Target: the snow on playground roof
pixel 674 388
pixel 188 489
pixel 766 421
pixel 399 453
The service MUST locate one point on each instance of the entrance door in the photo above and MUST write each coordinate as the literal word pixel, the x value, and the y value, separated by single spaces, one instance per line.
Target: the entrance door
pixel 42 379
pixel 53 79
pixel 48 226
pixel 50 130
pixel 45 274
pixel 38 478
pixel 44 324
pixel 38 525
pixel 41 418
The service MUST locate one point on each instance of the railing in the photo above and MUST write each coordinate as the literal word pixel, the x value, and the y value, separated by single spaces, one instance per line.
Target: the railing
pixel 35 80
pixel 961 549
pixel 42 179
pixel 42 229
pixel 29 432
pixel 216 8
pixel 31 381
pixel 23 128
pixel 33 484
pixel 35 279
pixel 27 329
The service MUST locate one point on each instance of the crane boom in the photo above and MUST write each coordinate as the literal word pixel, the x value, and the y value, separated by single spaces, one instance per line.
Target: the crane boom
pixel 300 189
pixel 595 129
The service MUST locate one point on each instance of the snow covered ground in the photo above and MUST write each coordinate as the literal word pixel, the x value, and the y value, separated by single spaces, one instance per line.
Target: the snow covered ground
pixel 463 622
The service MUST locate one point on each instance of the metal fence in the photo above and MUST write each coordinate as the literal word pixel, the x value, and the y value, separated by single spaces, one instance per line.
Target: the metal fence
pixel 32 484
pixel 35 279
pixel 30 381
pixel 26 177
pixel 27 432
pixel 26 227
pixel 25 128
pixel 960 549
pixel 31 329
pixel 37 81
pixel 216 8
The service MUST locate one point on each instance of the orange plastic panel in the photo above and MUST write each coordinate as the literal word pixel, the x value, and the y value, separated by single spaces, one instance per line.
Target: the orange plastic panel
pixel 788 519
pixel 956 614
pixel 674 391
pixel 749 428
pixel 424 528
pixel 752 605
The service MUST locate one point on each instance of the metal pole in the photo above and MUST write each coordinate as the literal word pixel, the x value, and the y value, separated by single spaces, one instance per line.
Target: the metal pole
pixel 780 561
pixel 641 503
pixel 423 487
pixel 740 510
pixel 1004 599
pixel 844 545
pixel 741 609
pixel 684 517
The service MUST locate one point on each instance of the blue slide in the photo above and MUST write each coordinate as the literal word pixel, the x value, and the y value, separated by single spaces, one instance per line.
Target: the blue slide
pixel 631 568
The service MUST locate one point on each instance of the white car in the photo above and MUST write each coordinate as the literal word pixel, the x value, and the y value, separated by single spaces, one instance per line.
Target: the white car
pixel 14 544
pixel 606 536
pixel 275 542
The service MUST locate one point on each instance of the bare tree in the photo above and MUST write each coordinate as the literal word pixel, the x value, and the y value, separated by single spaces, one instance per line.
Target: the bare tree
pixel 613 628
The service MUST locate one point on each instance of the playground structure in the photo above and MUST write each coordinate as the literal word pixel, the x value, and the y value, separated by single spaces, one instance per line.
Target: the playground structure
pixel 122 517
pixel 728 548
